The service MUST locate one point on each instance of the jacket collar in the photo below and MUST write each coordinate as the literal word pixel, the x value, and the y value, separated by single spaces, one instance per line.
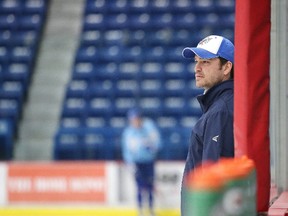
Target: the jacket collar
pixel 210 96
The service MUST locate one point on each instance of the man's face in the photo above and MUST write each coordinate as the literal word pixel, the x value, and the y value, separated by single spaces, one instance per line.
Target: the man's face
pixel 135 122
pixel 209 72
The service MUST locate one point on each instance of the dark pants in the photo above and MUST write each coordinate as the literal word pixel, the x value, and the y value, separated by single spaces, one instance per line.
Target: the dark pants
pixel 145 182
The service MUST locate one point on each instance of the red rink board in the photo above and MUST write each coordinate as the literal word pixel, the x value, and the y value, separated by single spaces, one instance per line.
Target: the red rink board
pixel 252 97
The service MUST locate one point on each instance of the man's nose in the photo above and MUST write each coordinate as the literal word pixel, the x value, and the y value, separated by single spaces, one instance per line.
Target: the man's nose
pixel 197 68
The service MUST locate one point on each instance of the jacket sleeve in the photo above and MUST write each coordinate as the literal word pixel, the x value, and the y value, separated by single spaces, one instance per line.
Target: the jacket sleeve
pixel 127 155
pixel 219 138
pixel 154 138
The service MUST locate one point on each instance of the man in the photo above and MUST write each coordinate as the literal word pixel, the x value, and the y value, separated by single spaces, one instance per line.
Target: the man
pixel 212 136
pixel 140 144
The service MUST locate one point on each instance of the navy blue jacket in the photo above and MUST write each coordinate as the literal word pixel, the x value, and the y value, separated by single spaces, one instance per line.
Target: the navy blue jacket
pixel 212 136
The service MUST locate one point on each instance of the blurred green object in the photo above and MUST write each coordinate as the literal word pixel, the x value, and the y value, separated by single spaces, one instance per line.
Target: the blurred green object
pixel 224 188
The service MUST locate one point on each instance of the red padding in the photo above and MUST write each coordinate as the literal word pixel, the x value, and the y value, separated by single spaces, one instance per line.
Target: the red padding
pixel 251 126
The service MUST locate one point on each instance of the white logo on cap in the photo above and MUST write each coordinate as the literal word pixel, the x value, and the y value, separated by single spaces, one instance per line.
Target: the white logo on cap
pixel 211 43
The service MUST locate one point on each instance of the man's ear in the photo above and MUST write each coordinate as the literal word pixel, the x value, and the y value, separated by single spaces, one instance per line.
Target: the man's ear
pixel 228 67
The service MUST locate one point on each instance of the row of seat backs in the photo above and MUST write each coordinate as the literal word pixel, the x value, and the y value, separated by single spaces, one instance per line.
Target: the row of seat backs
pixel 21 25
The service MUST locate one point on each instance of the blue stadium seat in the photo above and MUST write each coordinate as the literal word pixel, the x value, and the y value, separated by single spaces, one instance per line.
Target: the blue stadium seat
pixel 71 123
pixel 67 145
pixel 174 87
pixel 96 121
pixel 12 90
pixel 224 6
pixel 35 6
pixel 158 37
pixel 139 21
pixel 175 70
pixel 181 6
pixel 191 89
pixel 138 6
pixel 131 54
pixel 203 6
pixel 117 122
pixel 180 35
pixel 151 87
pixel 210 20
pixel 227 31
pixel 88 53
pixel 31 22
pixel 99 106
pixel 185 20
pixel 151 106
pixel 105 70
pixel 91 37
pixel 135 37
pixel 227 20
pixel 187 122
pixel 74 106
pixel 18 71
pixel 77 88
pixel 175 144
pixel 151 69
pixel 102 137
pixel 93 21
pixel 162 20
pixel 126 87
pixel 156 53
pixel 110 54
pixel 5 37
pixel 102 88
pixel 118 6
pixel 192 107
pixel 128 70
pixel 189 67
pixel 122 104
pixel 6 140
pixel 4 55
pixel 113 37
pixel 96 6
pixel 83 70
pixel 173 106
pixel 10 110
pixel 10 6
pixel 27 38
pixel 163 6
pixel 8 21
pixel 174 53
pixel 97 144
pixel 23 54
pixel 116 21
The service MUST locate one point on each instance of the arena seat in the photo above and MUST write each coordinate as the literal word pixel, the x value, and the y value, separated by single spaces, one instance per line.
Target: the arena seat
pixel 67 145
pixel 6 140
pixel 21 24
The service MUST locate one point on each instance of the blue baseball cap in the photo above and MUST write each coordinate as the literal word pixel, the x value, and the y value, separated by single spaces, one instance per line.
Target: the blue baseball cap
pixel 134 113
pixel 212 46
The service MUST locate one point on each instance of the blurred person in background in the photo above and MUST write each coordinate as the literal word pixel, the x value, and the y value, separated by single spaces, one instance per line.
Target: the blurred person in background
pixel 212 136
pixel 140 144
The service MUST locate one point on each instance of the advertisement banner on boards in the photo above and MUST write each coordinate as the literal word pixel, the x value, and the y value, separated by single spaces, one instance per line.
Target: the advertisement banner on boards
pixel 61 182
